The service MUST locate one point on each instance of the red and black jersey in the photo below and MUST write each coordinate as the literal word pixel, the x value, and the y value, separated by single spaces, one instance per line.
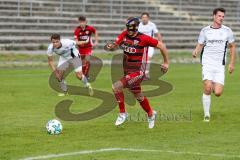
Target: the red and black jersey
pixel 84 34
pixel 135 51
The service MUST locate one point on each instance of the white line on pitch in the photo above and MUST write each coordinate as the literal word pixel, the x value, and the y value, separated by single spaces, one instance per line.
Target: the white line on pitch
pixel 128 150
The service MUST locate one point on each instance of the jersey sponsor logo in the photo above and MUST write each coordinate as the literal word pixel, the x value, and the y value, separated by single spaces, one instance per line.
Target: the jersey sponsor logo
pixel 83 37
pixel 215 41
pixel 128 49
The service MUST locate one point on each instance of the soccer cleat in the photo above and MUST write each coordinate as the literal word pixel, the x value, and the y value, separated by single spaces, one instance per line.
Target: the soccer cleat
pixel 62 94
pixel 88 78
pixel 151 120
pixel 147 76
pixel 63 85
pixel 90 89
pixel 206 119
pixel 122 117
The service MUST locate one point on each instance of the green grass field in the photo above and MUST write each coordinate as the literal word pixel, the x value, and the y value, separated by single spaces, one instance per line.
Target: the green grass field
pixel 27 103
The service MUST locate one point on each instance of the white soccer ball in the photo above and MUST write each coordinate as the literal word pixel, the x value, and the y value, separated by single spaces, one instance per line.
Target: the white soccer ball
pixel 54 127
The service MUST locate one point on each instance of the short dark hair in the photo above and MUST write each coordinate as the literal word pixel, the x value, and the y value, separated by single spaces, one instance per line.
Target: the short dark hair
pixel 129 18
pixel 218 10
pixel 145 13
pixel 82 18
pixel 55 36
pixel 136 19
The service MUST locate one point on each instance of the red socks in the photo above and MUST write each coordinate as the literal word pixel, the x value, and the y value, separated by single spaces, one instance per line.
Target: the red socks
pixel 145 105
pixel 85 68
pixel 120 99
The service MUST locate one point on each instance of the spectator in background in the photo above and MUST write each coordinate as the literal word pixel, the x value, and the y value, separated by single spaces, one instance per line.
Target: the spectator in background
pixel 149 28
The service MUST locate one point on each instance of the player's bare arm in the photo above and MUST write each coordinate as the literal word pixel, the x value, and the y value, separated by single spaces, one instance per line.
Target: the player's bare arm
pixel 159 36
pixel 232 47
pixel 196 51
pixel 96 39
pixel 110 46
pixel 80 42
pixel 164 53
pixel 51 63
pixel 53 68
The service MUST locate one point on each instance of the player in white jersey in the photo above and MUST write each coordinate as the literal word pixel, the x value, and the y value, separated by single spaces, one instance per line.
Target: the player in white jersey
pixel 149 28
pixel 68 55
pixel 213 41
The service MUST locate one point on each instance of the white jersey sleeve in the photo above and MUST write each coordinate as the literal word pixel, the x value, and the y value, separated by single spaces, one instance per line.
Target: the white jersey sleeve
pixel 72 45
pixel 67 50
pixel 230 36
pixel 50 50
pixel 201 38
pixel 155 30
pixel 68 42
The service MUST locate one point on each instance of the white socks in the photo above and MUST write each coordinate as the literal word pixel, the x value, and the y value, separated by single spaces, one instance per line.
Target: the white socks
pixel 206 101
pixel 63 85
pixel 84 80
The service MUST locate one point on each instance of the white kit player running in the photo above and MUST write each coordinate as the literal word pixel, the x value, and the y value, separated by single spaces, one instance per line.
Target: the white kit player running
pixel 213 41
pixel 68 55
pixel 149 28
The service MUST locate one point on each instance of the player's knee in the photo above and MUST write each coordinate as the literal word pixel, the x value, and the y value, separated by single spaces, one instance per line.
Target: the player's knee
pixel 115 88
pixel 79 75
pixel 87 59
pixel 207 89
pixel 140 98
pixel 218 93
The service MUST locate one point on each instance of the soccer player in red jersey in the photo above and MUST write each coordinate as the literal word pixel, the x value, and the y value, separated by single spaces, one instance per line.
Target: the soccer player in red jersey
pixel 83 37
pixel 135 48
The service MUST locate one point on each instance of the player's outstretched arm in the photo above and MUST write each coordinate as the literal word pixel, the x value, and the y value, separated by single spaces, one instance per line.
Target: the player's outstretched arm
pixel 53 68
pixel 51 63
pixel 164 53
pixel 232 48
pixel 159 36
pixel 96 39
pixel 110 46
pixel 198 48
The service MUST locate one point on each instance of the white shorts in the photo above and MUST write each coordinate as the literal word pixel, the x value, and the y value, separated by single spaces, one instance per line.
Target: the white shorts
pixel 76 62
pixel 215 74
pixel 150 52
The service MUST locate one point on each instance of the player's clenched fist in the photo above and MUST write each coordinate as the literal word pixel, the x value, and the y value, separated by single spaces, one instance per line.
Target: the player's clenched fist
pixel 58 74
pixel 164 67
pixel 110 46
pixel 231 68
pixel 194 54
